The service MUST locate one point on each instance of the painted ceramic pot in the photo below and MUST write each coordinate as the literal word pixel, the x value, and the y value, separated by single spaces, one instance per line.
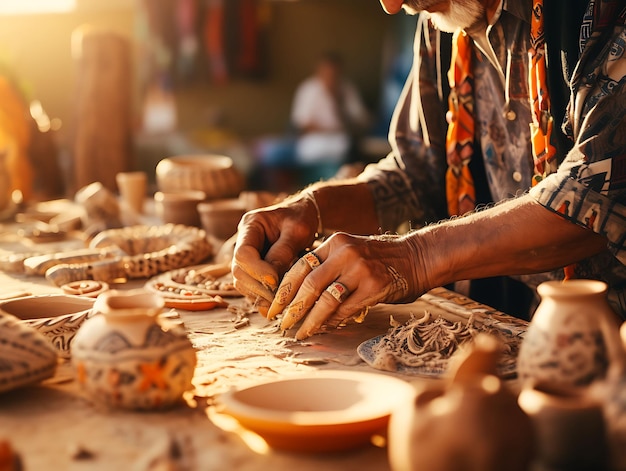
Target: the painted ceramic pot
pixel 56 316
pixel 571 337
pixel 125 358
pixel 26 356
pixel 473 416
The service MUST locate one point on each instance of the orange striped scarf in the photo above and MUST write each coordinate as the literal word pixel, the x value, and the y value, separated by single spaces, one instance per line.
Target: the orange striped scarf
pixel 460 191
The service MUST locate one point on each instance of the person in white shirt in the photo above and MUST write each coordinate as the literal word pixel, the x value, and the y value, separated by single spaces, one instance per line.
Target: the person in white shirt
pixel 328 114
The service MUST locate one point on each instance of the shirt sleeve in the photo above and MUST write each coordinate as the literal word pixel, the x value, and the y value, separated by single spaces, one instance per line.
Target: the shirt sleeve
pixel 589 187
pixel 408 184
pixel 301 108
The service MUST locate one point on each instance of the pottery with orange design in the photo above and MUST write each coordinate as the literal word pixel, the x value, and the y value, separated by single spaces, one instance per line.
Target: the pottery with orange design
pixel 123 357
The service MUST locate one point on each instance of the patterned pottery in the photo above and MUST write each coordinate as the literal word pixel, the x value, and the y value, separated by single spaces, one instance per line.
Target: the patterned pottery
pixel 26 356
pixel 571 336
pixel 56 316
pixel 125 358
pixel 215 175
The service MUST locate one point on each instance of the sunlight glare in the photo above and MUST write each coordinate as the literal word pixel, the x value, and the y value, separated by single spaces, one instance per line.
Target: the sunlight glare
pixel 23 7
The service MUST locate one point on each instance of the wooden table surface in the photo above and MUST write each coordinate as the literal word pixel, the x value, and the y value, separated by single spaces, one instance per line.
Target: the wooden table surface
pixel 53 427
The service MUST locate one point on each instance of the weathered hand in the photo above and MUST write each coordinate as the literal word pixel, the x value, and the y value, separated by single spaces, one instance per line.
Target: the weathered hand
pixel 343 278
pixel 268 242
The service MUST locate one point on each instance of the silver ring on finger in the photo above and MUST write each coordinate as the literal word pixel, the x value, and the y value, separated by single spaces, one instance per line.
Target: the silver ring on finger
pixel 312 260
pixel 338 290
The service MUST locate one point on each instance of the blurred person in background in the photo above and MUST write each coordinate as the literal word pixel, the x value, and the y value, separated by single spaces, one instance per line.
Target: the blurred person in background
pixel 328 116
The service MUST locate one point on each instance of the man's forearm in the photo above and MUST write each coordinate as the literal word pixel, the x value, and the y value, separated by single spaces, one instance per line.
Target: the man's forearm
pixel 516 237
pixel 346 205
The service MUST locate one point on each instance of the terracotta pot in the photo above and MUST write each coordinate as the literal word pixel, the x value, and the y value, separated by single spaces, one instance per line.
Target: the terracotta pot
pixel 569 428
pixel 612 393
pixel 26 356
pixel 215 175
pixel 178 207
pixel 220 218
pixel 124 358
pixel 471 423
pixel 57 316
pixel 571 338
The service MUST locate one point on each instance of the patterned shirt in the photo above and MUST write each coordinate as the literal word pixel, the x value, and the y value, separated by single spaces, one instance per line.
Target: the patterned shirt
pixel 589 187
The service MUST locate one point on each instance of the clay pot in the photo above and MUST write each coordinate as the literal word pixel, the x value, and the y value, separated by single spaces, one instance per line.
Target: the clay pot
pixel 472 422
pixel 569 428
pixel 56 316
pixel 571 338
pixel 215 175
pixel 132 187
pixel 612 393
pixel 178 207
pixel 125 358
pixel 220 218
pixel 26 356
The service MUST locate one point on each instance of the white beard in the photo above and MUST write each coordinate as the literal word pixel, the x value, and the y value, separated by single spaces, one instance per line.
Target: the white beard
pixel 462 14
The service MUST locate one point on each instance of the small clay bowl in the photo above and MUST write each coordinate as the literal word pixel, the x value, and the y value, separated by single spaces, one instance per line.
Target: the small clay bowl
pixel 221 217
pixel 320 412
pixel 178 207
pixel 57 316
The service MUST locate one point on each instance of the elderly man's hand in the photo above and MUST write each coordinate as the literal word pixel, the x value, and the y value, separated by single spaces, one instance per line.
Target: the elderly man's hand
pixel 343 278
pixel 269 241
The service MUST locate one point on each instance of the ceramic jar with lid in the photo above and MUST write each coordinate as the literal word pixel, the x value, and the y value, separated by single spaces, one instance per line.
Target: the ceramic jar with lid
pixel 125 358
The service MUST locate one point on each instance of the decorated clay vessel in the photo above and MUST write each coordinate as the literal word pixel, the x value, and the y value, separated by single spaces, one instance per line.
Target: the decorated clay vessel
pixel 26 356
pixel 57 316
pixel 125 358
pixel 571 338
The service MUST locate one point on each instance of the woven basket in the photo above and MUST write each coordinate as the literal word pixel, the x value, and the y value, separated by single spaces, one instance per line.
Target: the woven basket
pixel 215 175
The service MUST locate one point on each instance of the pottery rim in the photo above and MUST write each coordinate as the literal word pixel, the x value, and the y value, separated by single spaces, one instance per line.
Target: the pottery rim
pixel 126 305
pixel 572 288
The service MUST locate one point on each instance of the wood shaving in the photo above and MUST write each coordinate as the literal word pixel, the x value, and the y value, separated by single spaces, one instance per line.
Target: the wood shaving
pixel 429 342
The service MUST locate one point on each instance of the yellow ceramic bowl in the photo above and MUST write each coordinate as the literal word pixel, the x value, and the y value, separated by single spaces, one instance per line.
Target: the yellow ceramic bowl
pixel 321 412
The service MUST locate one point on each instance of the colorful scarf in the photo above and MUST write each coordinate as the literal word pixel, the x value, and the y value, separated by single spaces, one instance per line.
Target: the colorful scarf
pixel 460 190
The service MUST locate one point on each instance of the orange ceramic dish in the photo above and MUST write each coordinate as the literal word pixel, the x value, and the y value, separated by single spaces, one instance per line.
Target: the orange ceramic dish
pixel 320 412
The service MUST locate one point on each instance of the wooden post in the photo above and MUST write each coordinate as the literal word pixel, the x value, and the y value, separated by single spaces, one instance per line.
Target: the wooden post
pixel 102 146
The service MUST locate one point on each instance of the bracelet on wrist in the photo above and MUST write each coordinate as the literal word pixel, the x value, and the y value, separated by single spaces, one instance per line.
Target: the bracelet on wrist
pixel 309 195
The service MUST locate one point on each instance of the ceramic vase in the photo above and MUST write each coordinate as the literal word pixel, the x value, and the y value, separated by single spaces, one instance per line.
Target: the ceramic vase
pixel 569 428
pixel 125 358
pixel 612 393
pixel 472 422
pixel 26 356
pixel 571 337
